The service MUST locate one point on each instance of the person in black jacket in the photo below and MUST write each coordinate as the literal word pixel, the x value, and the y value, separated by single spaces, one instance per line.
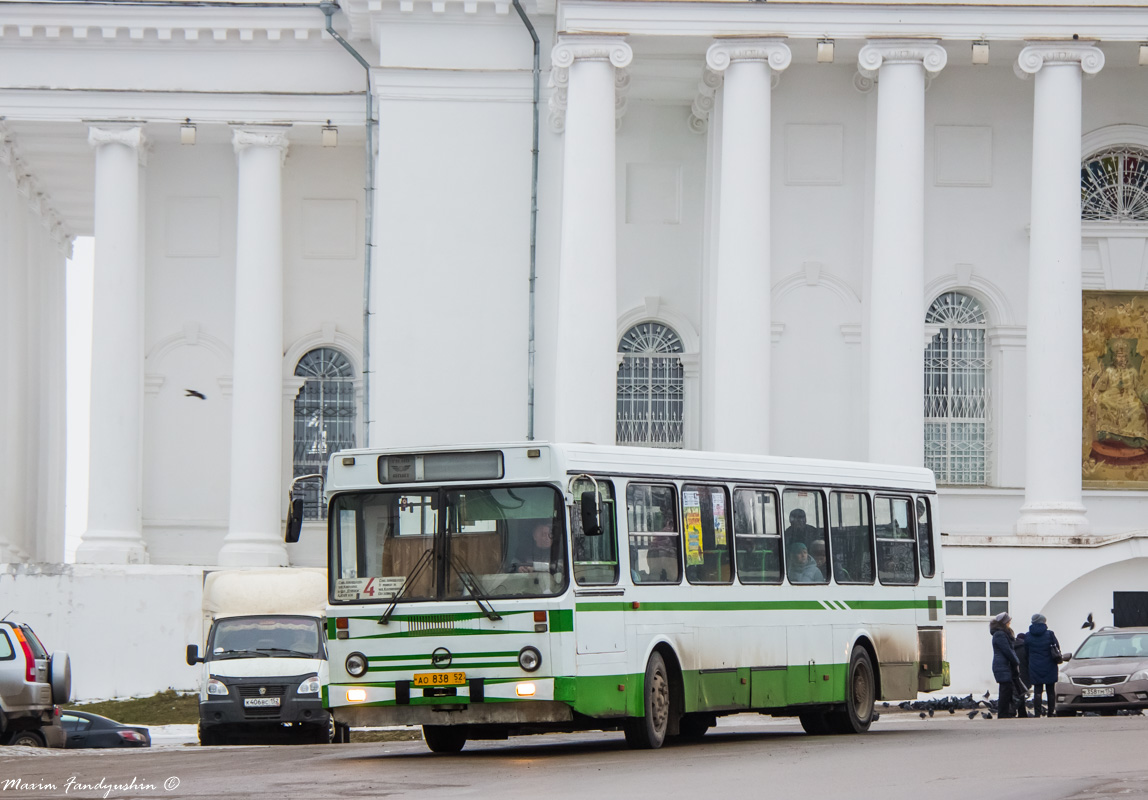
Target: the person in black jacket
pixel 1006 665
pixel 1043 651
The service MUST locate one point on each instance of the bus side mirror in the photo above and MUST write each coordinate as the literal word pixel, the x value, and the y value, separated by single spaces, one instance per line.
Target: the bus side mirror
pixel 294 521
pixel 193 655
pixel 591 525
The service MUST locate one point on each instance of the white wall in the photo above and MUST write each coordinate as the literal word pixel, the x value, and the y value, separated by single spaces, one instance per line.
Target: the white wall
pixel 126 629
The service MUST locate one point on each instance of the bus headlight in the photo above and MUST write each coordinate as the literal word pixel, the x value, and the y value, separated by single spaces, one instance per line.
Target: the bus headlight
pixel 529 658
pixel 356 665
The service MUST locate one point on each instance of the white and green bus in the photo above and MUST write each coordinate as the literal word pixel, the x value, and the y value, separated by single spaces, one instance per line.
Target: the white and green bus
pixel 489 591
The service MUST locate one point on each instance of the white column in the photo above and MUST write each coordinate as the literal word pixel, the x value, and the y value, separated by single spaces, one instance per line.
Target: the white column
pixel 586 347
pixel 113 535
pixel 1053 502
pixel 896 322
pixel 255 535
pixel 742 285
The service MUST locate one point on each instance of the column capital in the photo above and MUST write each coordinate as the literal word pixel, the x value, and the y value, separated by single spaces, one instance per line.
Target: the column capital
pixel 274 136
pixel 571 48
pixel 926 52
pixel 1036 54
pixel 129 134
pixel 773 51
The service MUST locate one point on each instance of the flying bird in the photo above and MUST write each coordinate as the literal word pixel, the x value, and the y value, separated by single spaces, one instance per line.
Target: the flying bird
pixel 1088 623
pixel 202 396
pixel 987 695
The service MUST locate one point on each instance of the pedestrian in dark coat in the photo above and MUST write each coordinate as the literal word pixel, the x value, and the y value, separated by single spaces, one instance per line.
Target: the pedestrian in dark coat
pixel 1043 649
pixel 1006 665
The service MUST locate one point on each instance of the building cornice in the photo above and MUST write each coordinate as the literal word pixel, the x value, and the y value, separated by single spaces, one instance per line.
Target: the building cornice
pixel 846 20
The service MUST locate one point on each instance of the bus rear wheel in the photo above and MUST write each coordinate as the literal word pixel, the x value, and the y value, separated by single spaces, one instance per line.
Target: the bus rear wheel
pixel 443 738
pixel 860 695
pixel 648 732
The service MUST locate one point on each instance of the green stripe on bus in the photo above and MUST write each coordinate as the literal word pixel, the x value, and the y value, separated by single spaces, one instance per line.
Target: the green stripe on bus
pixel 469 665
pixel 492 654
pixel 756 605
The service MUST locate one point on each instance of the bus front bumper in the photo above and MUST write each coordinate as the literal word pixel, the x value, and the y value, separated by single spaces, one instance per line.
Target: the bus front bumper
pixel 534 712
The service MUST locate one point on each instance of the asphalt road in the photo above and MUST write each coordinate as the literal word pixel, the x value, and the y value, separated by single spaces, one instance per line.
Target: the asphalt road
pixel 745 757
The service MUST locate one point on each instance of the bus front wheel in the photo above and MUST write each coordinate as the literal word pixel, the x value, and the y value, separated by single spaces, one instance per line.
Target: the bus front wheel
pixel 860 695
pixel 648 732
pixel 443 738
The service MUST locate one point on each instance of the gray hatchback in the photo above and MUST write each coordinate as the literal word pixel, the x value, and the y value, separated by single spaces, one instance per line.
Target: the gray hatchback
pixel 1108 672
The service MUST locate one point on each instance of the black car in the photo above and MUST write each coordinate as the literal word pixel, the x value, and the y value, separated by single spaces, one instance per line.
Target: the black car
pixel 91 730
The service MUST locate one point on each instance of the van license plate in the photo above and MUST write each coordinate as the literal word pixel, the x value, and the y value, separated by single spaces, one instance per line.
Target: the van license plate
pixel 440 679
pixel 260 702
pixel 1097 691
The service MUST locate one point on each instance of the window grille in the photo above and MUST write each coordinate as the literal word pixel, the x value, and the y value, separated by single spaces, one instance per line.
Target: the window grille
pixel 651 387
pixel 1114 185
pixel 324 421
pixel 976 598
pixel 956 391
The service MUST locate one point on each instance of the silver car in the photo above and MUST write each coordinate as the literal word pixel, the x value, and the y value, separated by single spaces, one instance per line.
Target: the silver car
pixel 32 683
pixel 1108 672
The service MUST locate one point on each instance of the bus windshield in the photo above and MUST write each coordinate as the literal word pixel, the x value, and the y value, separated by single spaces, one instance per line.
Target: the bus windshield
pixel 439 544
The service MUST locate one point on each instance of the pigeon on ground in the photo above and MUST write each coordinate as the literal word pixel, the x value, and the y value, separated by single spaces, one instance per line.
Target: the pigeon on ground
pixel 1088 623
pixel 986 715
pixel 952 711
pixel 972 714
pixel 923 715
pixel 930 712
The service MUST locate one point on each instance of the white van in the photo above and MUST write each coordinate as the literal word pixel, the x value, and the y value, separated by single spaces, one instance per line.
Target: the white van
pixel 265 657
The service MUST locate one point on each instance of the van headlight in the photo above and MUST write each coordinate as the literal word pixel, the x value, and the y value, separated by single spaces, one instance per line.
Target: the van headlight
pixel 310 686
pixel 216 687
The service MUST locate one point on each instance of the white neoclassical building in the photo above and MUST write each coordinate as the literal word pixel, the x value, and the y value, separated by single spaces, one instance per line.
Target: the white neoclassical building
pixel 901 232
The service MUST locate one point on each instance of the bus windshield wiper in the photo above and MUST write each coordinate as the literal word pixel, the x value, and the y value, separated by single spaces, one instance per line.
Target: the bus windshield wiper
pixel 416 570
pixel 472 585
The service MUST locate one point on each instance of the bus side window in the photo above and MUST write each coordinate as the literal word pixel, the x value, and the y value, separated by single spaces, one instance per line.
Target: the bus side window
pixel 757 538
pixel 925 537
pixel 805 538
pixel 896 545
pixel 655 541
pixel 706 528
pixel 595 557
pixel 851 537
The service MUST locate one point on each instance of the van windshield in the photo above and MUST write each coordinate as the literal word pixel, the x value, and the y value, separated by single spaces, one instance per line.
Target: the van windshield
pixel 456 544
pixel 265 637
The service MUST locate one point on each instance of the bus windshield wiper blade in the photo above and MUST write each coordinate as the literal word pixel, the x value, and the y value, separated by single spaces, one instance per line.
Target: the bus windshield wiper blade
pixel 419 566
pixel 472 585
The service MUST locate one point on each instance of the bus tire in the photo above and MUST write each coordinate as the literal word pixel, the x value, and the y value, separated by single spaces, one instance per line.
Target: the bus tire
pixel 815 723
pixel 443 738
pixel 649 731
pixel 692 727
pixel 860 695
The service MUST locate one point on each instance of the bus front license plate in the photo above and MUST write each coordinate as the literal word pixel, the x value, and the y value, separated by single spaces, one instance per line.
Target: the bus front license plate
pixel 440 679
pixel 260 702
pixel 1098 691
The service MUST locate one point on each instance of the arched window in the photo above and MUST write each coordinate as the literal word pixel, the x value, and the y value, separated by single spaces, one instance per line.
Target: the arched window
pixel 651 387
pixel 1114 185
pixel 956 391
pixel 324 420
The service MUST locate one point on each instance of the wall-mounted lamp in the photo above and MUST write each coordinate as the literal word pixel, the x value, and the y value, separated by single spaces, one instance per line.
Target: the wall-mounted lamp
pixel 187 132
pixel 330 135
pixel 824 51
pixel 1143 54
pixel 981 52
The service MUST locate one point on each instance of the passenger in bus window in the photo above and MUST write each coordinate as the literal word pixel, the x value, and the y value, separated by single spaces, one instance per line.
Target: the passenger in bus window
pixel 799 530
pixel 802 567
pixel 817 551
